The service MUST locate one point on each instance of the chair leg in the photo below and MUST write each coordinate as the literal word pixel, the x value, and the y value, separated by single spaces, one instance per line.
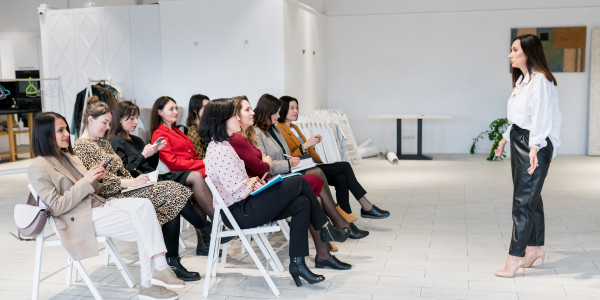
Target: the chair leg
pixel 111 249
pixel 71 272
pixel 87 280
pixel 285 228
pixel 181 243
pixel 259 265
pixel 37 269
pixel 272 256
pixel 213 252
pixel 106 258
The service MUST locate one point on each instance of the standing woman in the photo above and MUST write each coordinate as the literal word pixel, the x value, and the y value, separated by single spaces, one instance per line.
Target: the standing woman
pixel 70 191
pixel 292 197
pixel 535 117
pixel 195 109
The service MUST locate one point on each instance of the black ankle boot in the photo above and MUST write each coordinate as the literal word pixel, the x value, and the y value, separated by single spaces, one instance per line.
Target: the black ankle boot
pixel 299 269
pixel 180 271
pixel 203 245
pixel 331 234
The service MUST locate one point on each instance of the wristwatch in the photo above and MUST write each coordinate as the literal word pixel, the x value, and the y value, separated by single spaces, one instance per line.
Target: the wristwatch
pixel 303 149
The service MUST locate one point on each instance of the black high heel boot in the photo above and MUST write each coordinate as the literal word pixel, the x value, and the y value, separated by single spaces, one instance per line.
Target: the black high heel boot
pixel 331 234
pixel 299 269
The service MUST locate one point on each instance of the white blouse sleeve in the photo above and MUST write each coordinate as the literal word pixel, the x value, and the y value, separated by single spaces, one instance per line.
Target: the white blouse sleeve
pixel 541 106
pixel 506 134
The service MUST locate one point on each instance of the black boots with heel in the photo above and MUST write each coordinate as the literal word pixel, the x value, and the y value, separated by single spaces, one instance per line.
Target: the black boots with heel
pixel 299 269
pixel 329 233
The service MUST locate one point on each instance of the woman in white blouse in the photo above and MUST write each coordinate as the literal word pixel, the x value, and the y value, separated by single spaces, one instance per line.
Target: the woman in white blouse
pixel 291 197
pixel 535 119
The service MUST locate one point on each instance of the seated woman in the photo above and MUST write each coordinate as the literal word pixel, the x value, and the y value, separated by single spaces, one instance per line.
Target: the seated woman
pixel 195 108
pixel 340 174
pixel 170 199
pixel 179 153
pixel 257 165
pixel 141 159
pixel 70 191
pixel 290 198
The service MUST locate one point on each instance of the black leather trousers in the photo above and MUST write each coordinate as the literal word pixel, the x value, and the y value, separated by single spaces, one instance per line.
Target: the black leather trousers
pixel 528 209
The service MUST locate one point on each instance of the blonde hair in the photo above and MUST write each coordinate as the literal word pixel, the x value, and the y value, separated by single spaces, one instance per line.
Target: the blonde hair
pixel 250 132
pixel 94 108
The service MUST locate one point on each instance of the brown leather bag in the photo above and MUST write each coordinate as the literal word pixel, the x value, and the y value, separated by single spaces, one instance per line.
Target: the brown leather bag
pixel 30 218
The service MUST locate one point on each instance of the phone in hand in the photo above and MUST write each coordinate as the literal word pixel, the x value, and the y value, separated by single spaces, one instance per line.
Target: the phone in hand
pixel 107 163
pixel 158 140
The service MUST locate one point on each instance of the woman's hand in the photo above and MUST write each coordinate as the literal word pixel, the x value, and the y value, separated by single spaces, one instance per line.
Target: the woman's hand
pixel 294 161
pixel 151 149
pixel 498 152
pixel 533 160
pixel 312 141
pixel 142 179
pixel 95 173
pixel 268 160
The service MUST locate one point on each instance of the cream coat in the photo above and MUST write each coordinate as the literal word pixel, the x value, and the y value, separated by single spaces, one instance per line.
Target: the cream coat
pixel 69 202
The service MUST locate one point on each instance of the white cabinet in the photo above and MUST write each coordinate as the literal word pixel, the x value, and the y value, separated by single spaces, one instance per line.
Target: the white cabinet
pixel 26 54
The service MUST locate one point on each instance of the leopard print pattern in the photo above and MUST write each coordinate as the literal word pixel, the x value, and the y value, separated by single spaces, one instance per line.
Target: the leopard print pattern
pixel 168 197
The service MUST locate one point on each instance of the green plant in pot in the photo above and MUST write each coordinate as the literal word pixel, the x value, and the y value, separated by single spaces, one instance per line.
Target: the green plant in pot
pixel 494 134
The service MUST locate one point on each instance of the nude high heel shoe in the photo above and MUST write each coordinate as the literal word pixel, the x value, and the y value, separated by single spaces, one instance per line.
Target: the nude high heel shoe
pixel 539 254
pixel 348 217
pixel 513 270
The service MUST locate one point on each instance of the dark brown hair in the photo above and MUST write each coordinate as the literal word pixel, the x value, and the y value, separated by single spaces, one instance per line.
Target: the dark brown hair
pixel 159 104
pixel 536 60
pixel 123 110
pixel 267 105
pixel 213 125
pixel 285 107
pixel 94 108
pixel 43 139
pixel 196 103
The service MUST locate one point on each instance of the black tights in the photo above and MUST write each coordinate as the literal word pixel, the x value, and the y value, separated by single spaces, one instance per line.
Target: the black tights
pixel 171 229
pixel 201 194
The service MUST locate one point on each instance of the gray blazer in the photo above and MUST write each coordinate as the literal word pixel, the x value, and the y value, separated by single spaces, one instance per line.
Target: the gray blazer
pixel 270 147
pixel 69 202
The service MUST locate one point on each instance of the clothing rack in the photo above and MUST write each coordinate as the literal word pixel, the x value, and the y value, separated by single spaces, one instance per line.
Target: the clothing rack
pixel 60 96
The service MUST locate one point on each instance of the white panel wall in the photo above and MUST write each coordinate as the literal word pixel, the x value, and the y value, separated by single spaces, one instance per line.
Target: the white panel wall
pixel 145 52
pixel 305 74
pixel 117 49
pixel 222 48
pixel 443 63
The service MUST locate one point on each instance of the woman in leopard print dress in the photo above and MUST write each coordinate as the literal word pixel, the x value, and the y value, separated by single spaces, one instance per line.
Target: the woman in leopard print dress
pixel 170 199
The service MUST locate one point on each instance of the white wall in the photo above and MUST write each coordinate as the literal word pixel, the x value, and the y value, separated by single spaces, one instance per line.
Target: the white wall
pixel 239 48
pixel 452 63
pixel 305 74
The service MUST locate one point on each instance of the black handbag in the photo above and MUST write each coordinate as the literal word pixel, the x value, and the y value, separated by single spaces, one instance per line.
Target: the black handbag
pixel 30 218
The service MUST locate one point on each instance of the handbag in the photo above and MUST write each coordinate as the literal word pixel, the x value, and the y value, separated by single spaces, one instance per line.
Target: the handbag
pixel 30 218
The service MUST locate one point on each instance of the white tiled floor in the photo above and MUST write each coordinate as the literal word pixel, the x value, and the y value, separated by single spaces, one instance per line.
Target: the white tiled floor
pixel 448 233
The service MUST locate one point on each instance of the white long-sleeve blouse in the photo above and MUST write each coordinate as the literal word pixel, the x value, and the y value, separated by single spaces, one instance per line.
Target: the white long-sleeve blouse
pixel 227 172
pixel 533 105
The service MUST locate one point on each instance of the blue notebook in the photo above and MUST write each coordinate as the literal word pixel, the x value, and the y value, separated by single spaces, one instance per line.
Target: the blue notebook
pixel 273 181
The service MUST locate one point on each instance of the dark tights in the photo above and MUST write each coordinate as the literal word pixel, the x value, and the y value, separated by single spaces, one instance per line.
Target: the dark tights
pixel 201 194
pixel 171 229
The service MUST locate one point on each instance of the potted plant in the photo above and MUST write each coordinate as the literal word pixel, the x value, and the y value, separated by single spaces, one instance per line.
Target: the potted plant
pixel 494 134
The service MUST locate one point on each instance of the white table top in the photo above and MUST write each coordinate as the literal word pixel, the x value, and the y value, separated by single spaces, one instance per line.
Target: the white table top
pixel 414 117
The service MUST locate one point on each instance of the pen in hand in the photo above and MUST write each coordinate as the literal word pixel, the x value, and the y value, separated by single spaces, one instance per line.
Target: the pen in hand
pixel 288 156
pixel 262 180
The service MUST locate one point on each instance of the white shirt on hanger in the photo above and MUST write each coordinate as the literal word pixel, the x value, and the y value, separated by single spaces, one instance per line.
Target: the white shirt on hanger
pixel 533 105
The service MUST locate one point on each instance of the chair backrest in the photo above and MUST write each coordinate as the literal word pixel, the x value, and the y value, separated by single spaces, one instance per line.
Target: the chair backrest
pixel 43 205
pixel 144 131
pixel 162 168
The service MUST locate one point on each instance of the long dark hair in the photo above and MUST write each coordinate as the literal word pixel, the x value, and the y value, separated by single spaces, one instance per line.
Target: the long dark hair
pixel 267 105
pixel 285 107
pixel 196 102
pixel 536 60
pixel 123 110
pixel 159 104
pixel 213 124
pixel 43 139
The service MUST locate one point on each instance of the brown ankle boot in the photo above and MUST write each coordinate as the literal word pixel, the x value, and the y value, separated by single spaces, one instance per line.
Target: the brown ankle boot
pixel 348 217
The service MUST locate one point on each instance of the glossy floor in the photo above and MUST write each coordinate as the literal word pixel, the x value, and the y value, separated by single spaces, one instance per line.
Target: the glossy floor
pixel 448 233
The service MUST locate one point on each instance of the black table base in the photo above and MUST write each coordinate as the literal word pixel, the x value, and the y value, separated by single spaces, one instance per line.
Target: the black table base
pixel 419 155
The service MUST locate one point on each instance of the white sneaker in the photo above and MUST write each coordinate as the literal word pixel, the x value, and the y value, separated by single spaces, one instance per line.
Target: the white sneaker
pixel 166 278
pixel 156 292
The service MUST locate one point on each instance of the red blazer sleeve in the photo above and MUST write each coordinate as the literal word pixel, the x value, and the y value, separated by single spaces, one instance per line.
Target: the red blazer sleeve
pixel 176 155
pixel 251 156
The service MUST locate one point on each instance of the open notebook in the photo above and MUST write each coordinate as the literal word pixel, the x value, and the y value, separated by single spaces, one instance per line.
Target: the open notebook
pixel 153 178
pixel 273 181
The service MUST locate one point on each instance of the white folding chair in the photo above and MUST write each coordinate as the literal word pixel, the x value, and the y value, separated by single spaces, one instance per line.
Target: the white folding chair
pixel 257 233
pixel 73 266
pixel 162 169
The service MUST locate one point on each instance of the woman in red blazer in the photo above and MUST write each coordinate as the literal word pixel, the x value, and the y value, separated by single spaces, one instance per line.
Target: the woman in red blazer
pixel 179 154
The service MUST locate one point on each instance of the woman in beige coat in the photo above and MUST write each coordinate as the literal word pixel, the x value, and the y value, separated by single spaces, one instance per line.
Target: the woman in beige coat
pixel 69 191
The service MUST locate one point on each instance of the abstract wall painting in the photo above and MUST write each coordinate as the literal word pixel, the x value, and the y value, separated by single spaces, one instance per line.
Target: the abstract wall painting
pixel 564 46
